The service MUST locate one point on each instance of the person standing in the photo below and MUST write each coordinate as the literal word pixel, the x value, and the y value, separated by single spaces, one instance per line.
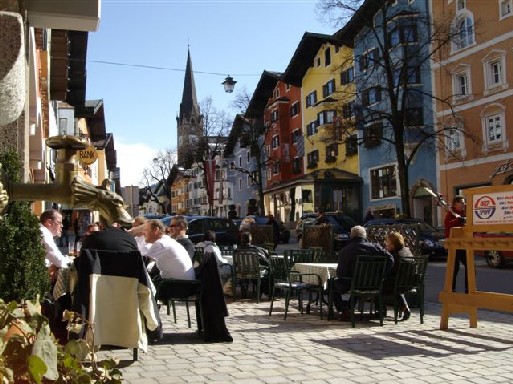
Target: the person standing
pixel 276 230
pixel 456 218
pixel 178 229
pixel 171 258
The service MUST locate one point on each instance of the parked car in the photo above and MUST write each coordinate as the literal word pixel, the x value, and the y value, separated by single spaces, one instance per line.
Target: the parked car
pixel 226 231
pixel 431 240
pixel 495 259
pixel 341 223
pixel 306 218
pixel 284 234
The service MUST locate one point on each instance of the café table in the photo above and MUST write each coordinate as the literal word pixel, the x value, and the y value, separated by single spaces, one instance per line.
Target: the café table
pixel 324 270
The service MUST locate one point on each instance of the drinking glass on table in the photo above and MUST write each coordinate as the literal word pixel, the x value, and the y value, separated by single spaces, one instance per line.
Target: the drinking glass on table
pixel 79 247
pixel 71 248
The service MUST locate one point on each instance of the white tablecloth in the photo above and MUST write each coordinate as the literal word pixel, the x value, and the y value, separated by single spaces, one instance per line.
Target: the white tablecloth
pixel 324 270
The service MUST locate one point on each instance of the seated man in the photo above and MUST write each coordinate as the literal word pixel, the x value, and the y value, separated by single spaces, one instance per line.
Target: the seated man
pixel 170 257
pixel 358 245
pixel 51 226
pixel 178 228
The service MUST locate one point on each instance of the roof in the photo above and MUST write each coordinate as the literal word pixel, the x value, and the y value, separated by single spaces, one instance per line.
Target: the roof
pixel 304 55
pixel 263 92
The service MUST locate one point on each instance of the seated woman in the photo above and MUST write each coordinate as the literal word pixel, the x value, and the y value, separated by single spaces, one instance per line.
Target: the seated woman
pixel 209 246
pixel 395 245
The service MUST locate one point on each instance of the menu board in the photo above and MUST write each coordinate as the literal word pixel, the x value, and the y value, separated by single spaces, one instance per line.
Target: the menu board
pixel 492 208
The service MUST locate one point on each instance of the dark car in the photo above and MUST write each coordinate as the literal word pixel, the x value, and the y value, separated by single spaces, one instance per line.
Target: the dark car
pixel 284 235
pixel 226 231
pixel 340 222
pixel 430 239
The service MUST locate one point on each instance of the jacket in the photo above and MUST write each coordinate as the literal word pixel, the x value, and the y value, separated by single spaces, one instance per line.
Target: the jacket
pixel 114 293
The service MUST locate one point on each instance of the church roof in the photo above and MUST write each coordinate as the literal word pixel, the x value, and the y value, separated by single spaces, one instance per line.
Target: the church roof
pixel 189 105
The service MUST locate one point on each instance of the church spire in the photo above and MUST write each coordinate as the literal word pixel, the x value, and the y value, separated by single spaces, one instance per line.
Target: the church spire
pixel 189 105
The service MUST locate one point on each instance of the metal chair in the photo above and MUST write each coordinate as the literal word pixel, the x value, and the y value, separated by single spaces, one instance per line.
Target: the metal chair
pixel 366 283
pixel 288 281
pixel 294 256
pixel 246 266
pixel 170 291
pixel 410 278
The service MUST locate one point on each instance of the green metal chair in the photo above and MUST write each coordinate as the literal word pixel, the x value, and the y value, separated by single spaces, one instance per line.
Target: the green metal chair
pixel 289 282
pixel 410 278
pixel 366 283
pixel 246 267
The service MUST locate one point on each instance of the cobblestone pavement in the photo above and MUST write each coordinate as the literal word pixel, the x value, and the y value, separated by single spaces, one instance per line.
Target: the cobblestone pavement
pixel 305 349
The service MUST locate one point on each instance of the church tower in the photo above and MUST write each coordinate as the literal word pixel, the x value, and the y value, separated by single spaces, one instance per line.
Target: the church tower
pixel 190 121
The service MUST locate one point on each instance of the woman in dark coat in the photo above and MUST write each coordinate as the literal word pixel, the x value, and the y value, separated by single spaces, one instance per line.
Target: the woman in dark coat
pixel 395 245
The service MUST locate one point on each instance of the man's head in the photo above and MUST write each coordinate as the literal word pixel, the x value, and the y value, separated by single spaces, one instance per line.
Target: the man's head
pixel 210 236
pixel 458 202
pixel 358 231
pixel 153 231
pixel 93 227
pixel 178 226
pixel 245 238
pixel 52 220
pixel 138 221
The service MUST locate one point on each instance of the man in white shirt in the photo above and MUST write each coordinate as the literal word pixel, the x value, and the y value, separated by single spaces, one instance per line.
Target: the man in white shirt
pixel 137 230
pixel 171 258
pixel 51 226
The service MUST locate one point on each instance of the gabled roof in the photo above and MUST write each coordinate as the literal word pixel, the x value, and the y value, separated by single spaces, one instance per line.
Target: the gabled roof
pixel 304 55
pixel 234 134
pixel 361 18
pixel 263 92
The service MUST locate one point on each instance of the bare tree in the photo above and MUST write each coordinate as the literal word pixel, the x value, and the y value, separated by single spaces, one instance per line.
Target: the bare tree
pixel 397 47
pixel 156 176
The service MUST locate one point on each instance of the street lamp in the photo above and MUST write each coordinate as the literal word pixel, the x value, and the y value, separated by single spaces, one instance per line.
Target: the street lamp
pixel 228 84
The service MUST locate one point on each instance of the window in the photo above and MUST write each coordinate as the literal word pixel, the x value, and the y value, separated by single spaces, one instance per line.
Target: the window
pixel 325 117
pixel 494 128
pixel 275 142
pixel 312 158
pixel 327 56
pixel 294 109
pixel 296 165
pixel 372 135
pixel 494 68
pixel 347 76
pixel 331 152
pixel 461 85
pixel 296 135
pixel 311 99
pixel 276 167
pixel 412 75
pixel 248 156
pixel 274 115
pixel 383 182
pixel 348 110
pixel 240 184
pixel 240 161
pixel 371 95
pixel 352 145
pixel 311 128
pixel 461 4
pixel 267 150
pixel 464 35
pixel 506 8
pixel 402 35
pixel 328 88
pixel 414 117
pixel 454 139
pixel 369 59
pixel 276 93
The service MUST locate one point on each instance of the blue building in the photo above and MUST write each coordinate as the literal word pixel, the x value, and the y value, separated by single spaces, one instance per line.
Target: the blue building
pixel 393 106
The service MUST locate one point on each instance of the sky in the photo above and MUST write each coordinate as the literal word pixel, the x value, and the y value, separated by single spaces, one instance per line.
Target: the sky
pixel 136 62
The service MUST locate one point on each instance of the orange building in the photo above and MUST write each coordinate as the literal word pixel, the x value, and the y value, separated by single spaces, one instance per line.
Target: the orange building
pixel 472 80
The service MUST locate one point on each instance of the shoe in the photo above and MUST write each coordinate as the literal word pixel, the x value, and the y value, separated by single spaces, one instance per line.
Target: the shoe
pixel 345 315
pixel 406 314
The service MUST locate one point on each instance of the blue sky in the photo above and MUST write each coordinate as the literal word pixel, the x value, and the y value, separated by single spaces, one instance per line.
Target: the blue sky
pixel 239 38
